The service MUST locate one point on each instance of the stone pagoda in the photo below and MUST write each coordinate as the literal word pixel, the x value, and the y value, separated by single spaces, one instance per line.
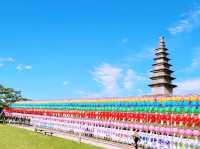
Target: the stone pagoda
pixel 161 79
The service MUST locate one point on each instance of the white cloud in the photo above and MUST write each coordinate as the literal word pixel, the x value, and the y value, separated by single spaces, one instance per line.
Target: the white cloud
pixel 196 60
pixel 23 67
pixel 191 86
pixel 1 65
pixel 130 78
pixel 108 76
pixel 7 59
pixel 10 59
pixel 189 22
pixel 145 53
pixel 65 83
pixel 141 92
pixel 113 81
pixel 195 63
pixel 4 60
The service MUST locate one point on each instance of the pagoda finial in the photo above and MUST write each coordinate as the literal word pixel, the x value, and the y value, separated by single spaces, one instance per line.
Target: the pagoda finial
pixel 162 42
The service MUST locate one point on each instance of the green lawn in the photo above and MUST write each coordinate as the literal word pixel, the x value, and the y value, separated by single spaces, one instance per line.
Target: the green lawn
pixel 16 138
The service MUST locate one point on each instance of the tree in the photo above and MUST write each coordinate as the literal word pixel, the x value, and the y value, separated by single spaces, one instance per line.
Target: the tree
pixel 9 95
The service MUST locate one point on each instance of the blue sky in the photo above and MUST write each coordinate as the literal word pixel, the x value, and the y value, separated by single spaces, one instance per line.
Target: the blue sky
pixel 92 48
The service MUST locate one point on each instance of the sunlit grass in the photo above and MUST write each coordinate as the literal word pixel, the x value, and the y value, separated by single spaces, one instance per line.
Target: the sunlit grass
pixel 16 138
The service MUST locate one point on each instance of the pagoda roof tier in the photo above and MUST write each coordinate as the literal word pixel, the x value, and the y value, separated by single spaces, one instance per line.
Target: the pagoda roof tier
pixel 162 63
pixel 161 84
pixel 168 71
pixel 161 52
pixel 162 76
pixel 161 49
pixel 163 57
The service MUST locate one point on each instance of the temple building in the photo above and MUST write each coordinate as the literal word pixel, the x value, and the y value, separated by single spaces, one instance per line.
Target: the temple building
pixel 161 79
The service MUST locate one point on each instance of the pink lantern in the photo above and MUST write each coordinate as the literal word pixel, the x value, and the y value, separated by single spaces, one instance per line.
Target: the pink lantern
pixel 101 122
pixel 168 130
pixel 189 132
pixel 129 125
pixel 174 130
pixel 133 126
pixel 105 123
pixel 112 124
pixel 118 125
pixel 162 129
pixel 181 131
pixel 137 126
pixel 196 133
pixel 146 128
pixel 90 122
pixel 141 127
pixel 151 128
pixel 156 128
pixel 98 123
pixel 122 124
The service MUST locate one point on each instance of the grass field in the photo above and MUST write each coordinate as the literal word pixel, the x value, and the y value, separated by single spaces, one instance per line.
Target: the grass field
pixel 16 138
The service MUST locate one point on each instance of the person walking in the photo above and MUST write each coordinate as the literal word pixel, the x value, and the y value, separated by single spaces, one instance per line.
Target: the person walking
pixel 136 139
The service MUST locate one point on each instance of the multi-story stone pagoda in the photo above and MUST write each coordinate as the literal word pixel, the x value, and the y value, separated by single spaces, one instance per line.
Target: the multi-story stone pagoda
pixel 161 74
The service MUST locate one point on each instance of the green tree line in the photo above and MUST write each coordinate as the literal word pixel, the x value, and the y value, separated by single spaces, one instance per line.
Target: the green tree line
pixel 9 95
